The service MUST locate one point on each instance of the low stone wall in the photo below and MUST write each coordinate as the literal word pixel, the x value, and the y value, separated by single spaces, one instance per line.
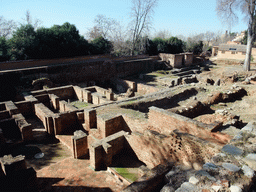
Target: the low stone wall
pixel 146 89
pixel 16 176
pixel 101 152
pixel 90 119
pixel 82 71
pixel 12 114
pixel 80 145
pixel 10 106
pixel 162 98
pixel 25 128
pixel 46 62
pixel 65 107
pixel 66 123
pixel 46 116
pixel 188 59
pixel 111 125
pixel 167 122
pixel 64 92
pixel 78 93
pixel 26 107
pixel 123 85
pixel 177 60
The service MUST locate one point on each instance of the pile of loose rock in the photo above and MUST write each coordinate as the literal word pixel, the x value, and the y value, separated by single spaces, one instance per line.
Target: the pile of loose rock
pixel 231 170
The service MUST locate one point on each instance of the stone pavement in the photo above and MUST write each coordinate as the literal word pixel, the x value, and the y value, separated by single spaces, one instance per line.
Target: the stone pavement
pixel 76 175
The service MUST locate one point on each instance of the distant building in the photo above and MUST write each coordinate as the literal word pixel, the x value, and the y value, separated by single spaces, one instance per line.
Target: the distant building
pixel 231 51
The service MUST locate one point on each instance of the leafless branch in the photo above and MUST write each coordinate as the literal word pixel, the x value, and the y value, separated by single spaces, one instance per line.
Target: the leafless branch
pixel 6 27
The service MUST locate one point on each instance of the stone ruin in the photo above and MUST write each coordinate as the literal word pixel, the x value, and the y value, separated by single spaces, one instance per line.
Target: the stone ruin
pixel 131 125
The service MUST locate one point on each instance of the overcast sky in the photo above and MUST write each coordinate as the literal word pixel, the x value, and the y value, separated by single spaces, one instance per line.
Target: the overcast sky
pixel 180 17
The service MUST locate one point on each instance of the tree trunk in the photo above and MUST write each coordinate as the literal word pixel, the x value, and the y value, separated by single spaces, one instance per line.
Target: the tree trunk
pixel 250 35
pixel 247 61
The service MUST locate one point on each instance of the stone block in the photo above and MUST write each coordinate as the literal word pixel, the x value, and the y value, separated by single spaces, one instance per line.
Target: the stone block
pixel 108 125
pixel 78 92
pixel 87 97
pixel 102 151
pixel 80 144
pixel 80 116
pixel 90 119
pixel 10 164
pixel 110 96
pixel 95 98
pixel 62 105
pixel 10 106
pixel 55 100
pixel 96 156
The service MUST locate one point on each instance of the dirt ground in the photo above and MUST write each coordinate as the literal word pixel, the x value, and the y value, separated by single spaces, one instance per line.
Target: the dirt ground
pixel 244 107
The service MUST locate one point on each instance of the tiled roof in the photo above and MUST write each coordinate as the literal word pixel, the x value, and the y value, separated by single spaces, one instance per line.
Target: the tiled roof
pixel 232 47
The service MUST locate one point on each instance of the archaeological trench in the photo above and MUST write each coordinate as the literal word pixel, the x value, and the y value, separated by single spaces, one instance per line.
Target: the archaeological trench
pixel 133 124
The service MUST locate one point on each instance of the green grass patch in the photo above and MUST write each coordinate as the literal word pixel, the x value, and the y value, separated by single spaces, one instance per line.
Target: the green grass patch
pixel 127 173
pixel 80 104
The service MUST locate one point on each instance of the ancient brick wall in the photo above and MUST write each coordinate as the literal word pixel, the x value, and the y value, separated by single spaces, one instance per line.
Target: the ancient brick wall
pixel 25 107
pixel 64 92
pixel 10 106
pixel 161 99
pixel 154 148
pixel 65 106
pixel 55 101
pixel 101 90
pixel 177 60
pixel 167 122
pixel 111 125
pixel 87 97
pixel 188 59
pixel 79 144
pixel 102 151
pixel 146 89
pixel 122 85
pixel 66 123
pixel 92 70
pixel 90 119
pixel 78 93
pixel 46 62
pixel 45 115
pixel 25 128
pixel 44 98
pixel 96 98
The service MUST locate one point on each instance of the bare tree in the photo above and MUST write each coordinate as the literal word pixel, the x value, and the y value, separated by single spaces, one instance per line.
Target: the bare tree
pixel 105 25
pixel 119 39
pixel 28 19
pixel 209 36
pixel 142 12
pixel 93 33
pixel 6 27
pixel 164 34
pixel 226 10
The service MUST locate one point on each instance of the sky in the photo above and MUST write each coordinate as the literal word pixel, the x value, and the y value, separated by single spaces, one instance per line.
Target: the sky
pixel 179 17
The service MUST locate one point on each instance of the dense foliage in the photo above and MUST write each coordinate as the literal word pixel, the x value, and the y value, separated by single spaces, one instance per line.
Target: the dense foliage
pixel 196 47
pixel 46 43
pixel 65 41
